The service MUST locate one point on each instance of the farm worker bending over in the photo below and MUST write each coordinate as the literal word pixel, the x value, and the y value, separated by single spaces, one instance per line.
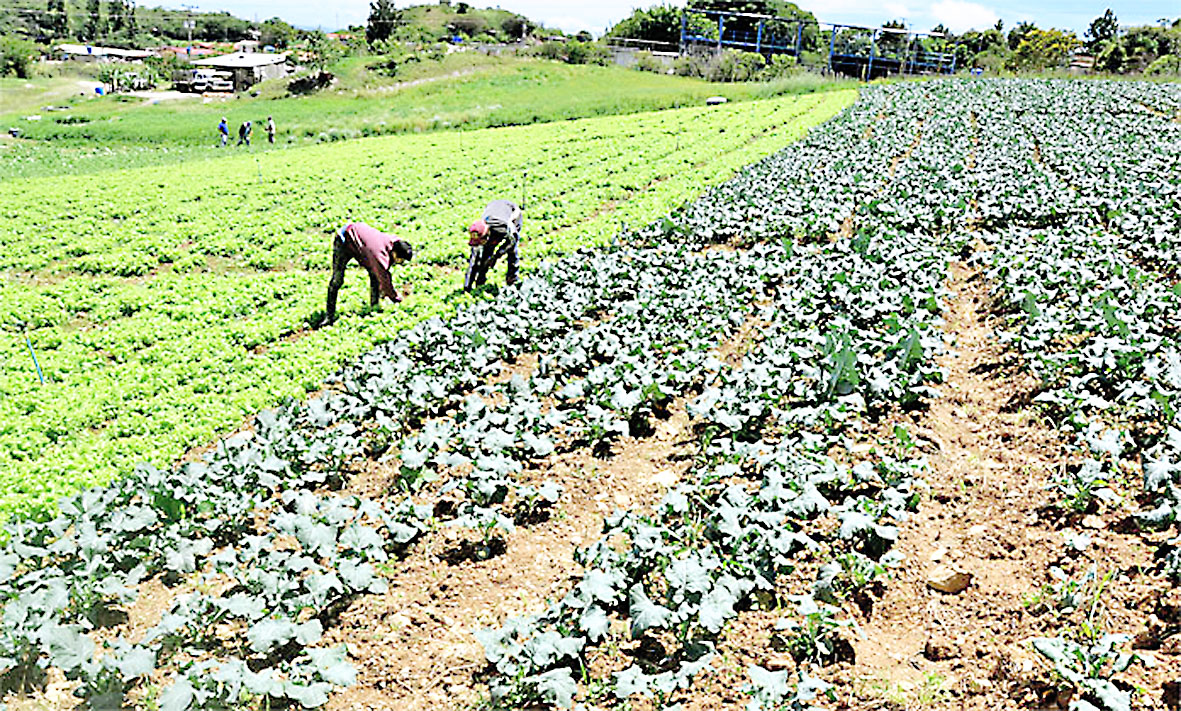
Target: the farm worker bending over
pixel 244 133
pixel 375 251
pixel 223 128
pixel 497 234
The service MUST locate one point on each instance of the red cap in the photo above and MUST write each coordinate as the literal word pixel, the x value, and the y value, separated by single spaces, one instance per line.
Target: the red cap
pixel 479 227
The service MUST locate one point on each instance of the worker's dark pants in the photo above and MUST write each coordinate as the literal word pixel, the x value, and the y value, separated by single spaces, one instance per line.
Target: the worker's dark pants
pixel 341 256
pixel 271 137
pixel 483 258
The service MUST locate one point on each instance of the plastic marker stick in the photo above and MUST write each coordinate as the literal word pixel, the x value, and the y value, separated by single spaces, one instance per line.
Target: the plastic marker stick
pixel 35 363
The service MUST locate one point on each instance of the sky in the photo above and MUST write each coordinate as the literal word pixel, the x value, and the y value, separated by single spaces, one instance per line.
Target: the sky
pixel 958 15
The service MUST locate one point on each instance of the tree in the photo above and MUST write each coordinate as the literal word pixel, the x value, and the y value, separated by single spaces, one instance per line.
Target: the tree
pixel 383 20
pixel 516 27
pixel 469 25
pixel 1143 45
pixel 994 39
pixel 222 27
pixel 92 28
pixel 276 33
pixel 661 23
pixel 1041 49
pixel 129 18
pixel 1019 33
pixel 16 56
pixel 116 22
pixel 58 18
pixel 318 51
pixel 1103 29
pixel 1112 58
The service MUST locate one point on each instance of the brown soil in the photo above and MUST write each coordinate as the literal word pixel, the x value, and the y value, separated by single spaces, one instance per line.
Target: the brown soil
pixel 989 514
pixel 414 646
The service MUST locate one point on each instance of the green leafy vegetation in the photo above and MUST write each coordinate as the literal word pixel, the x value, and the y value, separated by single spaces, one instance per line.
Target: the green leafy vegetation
pixel 183 301
pixel 16 56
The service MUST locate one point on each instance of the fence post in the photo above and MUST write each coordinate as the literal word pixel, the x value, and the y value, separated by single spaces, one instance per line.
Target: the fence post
pixel 721 31
pixel 759 39
pixel 832 41
pixel 873 46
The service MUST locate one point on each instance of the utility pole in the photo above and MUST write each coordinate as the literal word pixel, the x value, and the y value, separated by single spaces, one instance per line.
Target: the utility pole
pixel 190 23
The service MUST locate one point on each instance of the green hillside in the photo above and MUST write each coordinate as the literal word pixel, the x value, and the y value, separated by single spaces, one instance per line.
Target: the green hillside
pixel 465 90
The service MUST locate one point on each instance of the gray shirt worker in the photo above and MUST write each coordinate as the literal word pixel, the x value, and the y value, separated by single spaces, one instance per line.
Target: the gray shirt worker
pixel 497 233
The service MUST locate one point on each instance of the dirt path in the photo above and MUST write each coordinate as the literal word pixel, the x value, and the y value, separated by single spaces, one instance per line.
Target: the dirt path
pixel 988 473
pixel 458 74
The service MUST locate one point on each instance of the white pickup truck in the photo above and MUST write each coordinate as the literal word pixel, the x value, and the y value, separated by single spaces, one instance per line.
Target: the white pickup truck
pixel 203 80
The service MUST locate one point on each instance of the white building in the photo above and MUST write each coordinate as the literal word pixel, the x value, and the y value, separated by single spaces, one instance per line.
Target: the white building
pixel 248 69
pixel 89 53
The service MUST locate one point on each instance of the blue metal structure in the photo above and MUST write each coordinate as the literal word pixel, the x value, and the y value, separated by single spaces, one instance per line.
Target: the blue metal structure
pixel 773 35
pixel 863 52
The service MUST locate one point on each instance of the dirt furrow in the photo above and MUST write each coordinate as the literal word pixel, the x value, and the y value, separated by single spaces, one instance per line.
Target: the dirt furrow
pixel 993 515
pixel 414 646
pixel 988 475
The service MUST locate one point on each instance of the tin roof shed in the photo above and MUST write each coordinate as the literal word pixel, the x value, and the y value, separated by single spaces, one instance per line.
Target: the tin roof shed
pixel 243 60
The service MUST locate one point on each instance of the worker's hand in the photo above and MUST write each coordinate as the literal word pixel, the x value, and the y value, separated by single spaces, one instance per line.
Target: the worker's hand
pixel 475 240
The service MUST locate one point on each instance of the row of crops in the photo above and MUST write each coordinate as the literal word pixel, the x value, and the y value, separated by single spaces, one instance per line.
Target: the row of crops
pixel 261 544
pixel 167 304
pixel 260 551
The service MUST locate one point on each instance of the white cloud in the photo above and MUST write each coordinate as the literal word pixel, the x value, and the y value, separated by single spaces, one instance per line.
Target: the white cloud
pixel 958 15
pixel 898 10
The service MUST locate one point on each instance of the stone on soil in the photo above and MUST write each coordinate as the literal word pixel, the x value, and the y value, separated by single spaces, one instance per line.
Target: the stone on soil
pixel 946 579
pixel 939 648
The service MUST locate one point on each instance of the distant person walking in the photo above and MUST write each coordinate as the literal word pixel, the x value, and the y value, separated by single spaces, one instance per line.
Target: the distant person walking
pixel 497 234
pixel 270 129
pixel 244 133
pixel 223 130
pixel 375 251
